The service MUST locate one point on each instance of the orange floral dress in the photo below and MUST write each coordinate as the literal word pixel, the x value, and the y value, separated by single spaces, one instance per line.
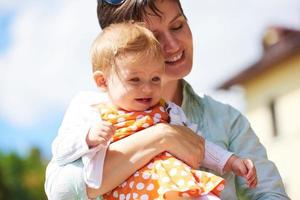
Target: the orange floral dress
pixel 165 176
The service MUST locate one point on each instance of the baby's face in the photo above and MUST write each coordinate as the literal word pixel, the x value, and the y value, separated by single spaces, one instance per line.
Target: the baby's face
pixel 135 86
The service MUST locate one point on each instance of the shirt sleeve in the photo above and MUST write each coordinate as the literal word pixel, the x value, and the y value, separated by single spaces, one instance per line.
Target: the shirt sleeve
pixel 215 157
pixel 245 143
pixel 93 163
pixel 70 143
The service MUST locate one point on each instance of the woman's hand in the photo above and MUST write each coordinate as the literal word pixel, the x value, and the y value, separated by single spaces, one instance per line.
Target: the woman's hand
pixel 183 143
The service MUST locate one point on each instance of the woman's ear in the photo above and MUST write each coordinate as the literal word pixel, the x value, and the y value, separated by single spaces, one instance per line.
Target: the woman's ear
pixel 100 80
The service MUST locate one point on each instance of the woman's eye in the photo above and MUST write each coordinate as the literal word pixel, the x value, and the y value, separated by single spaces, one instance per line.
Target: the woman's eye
pixel 156 79
pixel 177 27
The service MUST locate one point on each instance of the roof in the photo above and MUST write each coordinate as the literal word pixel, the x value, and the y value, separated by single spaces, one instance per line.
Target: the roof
pixel 279 43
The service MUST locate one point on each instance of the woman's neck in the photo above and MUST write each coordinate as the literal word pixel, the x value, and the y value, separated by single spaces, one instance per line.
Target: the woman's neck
pixel 172 91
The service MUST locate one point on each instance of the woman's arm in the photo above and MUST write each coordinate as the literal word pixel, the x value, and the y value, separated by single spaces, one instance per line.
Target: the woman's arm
pixel 246 144
pixel 126 156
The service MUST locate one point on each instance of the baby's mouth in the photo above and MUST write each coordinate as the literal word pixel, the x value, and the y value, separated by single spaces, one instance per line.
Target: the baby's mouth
pixel 143 100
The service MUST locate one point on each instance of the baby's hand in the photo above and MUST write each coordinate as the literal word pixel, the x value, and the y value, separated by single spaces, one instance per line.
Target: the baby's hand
pixel 100 133
pixel 243 167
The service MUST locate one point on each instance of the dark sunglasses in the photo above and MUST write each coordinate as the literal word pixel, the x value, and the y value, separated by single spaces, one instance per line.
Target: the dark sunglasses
pixel 113 2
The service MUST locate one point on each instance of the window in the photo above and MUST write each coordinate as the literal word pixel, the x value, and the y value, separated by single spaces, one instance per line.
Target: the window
pixel 272 106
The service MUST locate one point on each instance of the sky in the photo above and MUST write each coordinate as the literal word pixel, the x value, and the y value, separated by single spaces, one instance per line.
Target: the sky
pixel 44 57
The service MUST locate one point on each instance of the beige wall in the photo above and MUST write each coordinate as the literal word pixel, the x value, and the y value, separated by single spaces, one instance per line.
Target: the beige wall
pixel 283 85
pixel 281 79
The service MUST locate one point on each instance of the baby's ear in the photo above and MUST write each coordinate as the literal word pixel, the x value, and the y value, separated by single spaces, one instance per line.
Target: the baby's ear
pixel 100 80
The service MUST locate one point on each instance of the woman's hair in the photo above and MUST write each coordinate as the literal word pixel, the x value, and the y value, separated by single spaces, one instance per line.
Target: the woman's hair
pixel 118 40
pixel 129 10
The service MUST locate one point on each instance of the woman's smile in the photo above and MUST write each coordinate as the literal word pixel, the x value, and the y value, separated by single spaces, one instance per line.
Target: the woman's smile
pixel 175 59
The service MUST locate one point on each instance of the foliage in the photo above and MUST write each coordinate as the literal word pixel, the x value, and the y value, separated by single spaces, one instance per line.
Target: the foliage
pixel 22 178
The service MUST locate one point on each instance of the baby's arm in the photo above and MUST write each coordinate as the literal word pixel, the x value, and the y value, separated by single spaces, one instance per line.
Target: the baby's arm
pixel 71 143
pixel 99 133
pixel 97 138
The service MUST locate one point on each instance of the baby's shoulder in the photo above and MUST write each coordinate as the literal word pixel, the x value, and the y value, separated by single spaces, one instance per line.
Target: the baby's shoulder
pixel 90 97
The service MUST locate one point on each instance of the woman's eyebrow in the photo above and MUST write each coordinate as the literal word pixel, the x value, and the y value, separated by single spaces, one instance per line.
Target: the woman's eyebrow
pixel 172 20
pixel 176 17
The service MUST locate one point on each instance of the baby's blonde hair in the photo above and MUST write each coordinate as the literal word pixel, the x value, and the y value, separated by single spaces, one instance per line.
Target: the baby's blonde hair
pixel 121 39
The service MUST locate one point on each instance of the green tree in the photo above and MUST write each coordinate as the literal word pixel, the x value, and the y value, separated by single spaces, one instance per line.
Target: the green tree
pixel 22 178
pixel 34 177
pixel 4 191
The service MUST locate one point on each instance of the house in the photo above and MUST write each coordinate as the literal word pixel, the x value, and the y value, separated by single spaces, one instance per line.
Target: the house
pixel 272 98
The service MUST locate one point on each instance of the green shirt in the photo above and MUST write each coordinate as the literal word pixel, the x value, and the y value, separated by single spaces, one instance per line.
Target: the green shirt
pixel 227 127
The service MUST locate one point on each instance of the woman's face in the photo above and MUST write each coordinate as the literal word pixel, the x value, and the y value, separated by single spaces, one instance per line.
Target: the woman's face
pixel 175 37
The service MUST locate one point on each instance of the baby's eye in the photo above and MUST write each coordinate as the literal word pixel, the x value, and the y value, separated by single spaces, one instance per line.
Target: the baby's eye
pixel 135 79
pixel 156 79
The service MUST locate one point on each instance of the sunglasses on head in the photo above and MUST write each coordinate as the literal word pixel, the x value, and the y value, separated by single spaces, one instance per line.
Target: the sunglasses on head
pixel 113 2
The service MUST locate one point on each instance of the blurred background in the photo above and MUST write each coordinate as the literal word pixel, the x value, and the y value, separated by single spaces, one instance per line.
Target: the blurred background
pixel 246 53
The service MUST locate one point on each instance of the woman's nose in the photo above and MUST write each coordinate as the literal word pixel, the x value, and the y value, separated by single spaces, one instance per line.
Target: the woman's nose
pixel 170 44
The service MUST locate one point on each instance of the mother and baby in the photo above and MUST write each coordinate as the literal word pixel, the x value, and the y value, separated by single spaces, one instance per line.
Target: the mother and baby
pixel 149 135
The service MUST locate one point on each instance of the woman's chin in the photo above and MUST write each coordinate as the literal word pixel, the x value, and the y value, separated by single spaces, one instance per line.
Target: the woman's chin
pixel 177 72
pixel 178 69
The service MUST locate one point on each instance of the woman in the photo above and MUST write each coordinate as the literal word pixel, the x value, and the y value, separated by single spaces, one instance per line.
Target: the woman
pixel 219 123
